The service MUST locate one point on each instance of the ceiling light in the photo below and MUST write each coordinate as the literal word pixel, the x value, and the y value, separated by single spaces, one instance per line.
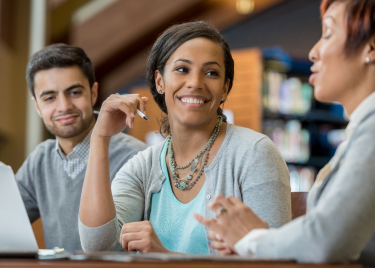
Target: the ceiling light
pixel 245 6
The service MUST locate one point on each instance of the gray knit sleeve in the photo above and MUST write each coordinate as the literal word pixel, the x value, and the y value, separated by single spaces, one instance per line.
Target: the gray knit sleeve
pixel 129 200
pixel 266 185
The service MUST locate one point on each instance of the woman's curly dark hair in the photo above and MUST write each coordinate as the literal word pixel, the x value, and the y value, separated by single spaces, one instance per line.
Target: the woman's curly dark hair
pixel 167 44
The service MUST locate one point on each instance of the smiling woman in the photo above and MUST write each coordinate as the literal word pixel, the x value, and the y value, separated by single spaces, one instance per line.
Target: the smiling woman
pixel 190 72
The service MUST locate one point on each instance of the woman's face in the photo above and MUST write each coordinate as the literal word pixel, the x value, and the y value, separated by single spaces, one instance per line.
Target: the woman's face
pixel 193 82
pixel 336 75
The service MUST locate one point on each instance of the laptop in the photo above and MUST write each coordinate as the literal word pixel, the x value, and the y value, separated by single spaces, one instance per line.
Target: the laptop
pixel 16 235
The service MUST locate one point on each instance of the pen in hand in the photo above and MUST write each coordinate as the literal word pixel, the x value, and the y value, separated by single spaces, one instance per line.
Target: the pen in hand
pixel 139 112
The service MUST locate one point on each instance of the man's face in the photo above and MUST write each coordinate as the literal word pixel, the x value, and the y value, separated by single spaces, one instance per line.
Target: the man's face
pixel 64 101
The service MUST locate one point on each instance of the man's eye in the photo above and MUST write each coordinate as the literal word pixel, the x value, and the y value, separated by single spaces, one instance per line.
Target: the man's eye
pixel 48 99
pixel 75 92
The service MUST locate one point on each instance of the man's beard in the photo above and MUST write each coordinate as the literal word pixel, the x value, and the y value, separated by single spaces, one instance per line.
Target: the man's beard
pixel 72 130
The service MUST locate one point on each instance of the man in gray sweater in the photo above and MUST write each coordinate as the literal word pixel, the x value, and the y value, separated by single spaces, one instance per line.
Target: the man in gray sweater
pixel 62 82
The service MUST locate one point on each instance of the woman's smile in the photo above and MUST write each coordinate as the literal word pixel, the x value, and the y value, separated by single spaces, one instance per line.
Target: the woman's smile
pixel 193 101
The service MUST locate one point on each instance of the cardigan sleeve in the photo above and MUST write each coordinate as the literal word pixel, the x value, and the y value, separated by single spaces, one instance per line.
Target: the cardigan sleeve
pixel 266 184
pixel 129 199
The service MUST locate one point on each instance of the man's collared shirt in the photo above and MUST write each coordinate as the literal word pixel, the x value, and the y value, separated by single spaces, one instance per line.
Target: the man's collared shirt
pixel 77 159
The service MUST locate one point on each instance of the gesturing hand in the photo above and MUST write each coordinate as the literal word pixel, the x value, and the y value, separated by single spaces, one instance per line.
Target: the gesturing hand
pixel 234 222
pixel 116 112
pixel 141 236
pixel 219 244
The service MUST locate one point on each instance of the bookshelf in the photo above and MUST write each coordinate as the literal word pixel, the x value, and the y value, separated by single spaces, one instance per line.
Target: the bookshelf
pixel 306 131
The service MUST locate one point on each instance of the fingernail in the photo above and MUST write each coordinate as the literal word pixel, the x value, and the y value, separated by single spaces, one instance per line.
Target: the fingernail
pixel 132 124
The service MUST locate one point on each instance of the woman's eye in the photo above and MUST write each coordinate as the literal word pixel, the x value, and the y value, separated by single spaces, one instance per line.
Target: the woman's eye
pixel 182 69
pixel 212 73
pixel 327 34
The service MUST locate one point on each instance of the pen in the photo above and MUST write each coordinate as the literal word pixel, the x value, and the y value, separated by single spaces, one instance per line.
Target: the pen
pixel 139 112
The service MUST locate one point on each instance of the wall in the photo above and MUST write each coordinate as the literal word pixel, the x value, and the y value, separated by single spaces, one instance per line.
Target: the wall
pixel 13 60
pixel 293 24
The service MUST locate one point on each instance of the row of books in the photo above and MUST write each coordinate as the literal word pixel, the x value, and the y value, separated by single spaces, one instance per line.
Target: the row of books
pixel 292 141
pixel 285 95
pixel 301 178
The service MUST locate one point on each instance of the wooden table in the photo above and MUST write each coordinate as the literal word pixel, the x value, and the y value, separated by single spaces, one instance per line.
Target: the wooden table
pixel 192 264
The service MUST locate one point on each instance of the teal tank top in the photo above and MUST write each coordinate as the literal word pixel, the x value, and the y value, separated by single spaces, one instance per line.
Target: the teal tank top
pixel 173 221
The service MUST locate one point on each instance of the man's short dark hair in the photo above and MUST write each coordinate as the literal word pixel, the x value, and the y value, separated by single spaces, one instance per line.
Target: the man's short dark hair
pixel 59 56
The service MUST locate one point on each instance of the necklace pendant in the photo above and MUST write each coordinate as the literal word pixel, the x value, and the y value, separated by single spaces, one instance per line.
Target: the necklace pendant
pixel 183 186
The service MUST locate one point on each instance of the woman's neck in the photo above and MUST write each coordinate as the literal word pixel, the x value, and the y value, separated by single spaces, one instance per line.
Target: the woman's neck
pixel 188 141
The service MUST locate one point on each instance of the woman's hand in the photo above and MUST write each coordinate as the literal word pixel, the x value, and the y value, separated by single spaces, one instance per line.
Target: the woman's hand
pixel 234 221
pixel 219 244
pixel 141 236
pixel 117 112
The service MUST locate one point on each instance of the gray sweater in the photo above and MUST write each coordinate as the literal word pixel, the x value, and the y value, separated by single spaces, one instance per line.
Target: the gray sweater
pixel 247 166
pixel 339 225
pixel 49 193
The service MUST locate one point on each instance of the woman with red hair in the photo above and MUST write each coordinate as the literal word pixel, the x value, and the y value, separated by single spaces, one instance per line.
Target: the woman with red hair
pixel 339 225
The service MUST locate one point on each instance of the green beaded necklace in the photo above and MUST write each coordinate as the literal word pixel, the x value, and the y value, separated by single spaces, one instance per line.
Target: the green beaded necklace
pixel 186 182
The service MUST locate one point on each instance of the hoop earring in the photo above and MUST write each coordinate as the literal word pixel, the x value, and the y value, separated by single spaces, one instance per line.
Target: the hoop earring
pixel 367 59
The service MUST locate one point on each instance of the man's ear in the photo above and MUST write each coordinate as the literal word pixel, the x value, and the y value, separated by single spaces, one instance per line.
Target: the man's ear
pixel 94 93
pixel 36 107
pixel 159 82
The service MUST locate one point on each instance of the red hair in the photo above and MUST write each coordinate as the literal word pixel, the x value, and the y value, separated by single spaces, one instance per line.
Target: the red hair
pixel 360 16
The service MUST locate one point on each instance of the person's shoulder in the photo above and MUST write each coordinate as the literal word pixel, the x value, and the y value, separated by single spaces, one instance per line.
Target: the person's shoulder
pixel 125 141
pixel 145 159
pixel 368 122
pixel 245 136
pixel 152 153
pixel 244 142
pixel 44 148
pixel 39 157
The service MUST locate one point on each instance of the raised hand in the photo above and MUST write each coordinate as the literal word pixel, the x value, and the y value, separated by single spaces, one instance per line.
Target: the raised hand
pixel 117 112
pixel 141 236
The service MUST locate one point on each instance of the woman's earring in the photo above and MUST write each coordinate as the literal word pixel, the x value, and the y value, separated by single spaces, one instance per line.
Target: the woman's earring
pixel 160 91
pixel 222 99
pixel 367 59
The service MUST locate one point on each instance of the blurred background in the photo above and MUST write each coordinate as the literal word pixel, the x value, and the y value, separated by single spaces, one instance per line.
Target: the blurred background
pixel 270 42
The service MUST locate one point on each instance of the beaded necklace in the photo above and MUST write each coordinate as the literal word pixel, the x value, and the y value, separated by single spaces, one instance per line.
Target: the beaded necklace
pixel 186 182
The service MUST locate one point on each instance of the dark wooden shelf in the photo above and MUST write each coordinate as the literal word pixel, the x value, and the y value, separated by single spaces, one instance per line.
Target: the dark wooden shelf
pixel 314 116
pixel 317 162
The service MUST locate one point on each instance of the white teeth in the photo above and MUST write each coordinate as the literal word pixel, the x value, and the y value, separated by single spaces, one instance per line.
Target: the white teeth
pixel 188 100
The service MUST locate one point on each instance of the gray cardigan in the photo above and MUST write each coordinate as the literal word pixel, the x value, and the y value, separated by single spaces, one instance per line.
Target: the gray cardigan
pixel 247 166
pixel 339 225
